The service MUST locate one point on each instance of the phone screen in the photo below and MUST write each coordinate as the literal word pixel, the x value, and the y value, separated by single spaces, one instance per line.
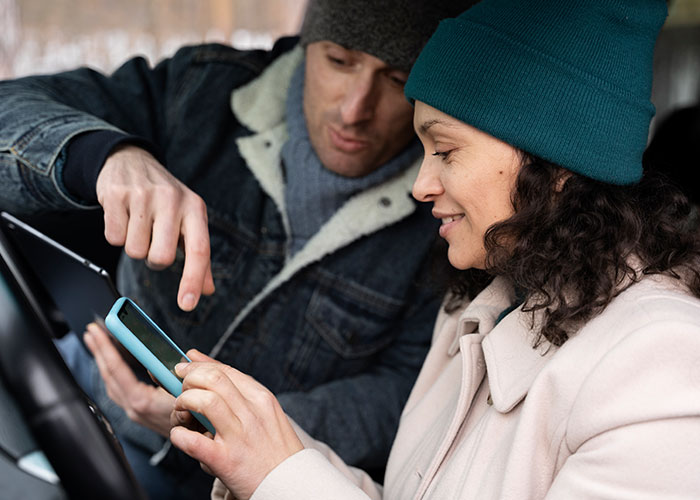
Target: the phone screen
pixel 139 325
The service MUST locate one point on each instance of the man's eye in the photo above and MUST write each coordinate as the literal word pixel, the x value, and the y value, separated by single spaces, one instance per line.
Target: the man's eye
pixel 337 61
pixel 398 81
pixel 397 78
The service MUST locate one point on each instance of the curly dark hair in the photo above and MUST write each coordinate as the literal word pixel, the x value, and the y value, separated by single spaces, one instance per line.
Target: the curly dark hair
pixel 574 244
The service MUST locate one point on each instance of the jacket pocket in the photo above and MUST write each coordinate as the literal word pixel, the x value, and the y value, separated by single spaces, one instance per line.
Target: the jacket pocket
pixel 158 289
pixel 353 320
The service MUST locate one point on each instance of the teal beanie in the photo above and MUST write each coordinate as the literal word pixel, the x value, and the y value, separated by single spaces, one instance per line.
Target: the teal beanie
pixel 568 81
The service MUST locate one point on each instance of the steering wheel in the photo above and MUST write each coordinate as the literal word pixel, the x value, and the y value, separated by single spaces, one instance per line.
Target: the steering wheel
pixel 77 441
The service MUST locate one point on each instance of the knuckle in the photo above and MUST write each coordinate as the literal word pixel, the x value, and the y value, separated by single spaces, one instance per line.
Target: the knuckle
pixel 114 236
pixel 131 414
pixel 212 378
pixel 114 229
pixel 265 399
pixel 139 192
pixel 168 192
pixel 136 251
pixel 198 205
pixel 111 193
pixel 138 405
pixel 161 257
pixel 199 248
pixel 209 400
pixel 229 371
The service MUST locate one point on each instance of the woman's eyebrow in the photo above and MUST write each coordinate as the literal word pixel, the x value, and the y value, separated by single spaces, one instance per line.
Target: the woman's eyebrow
pixel 425 126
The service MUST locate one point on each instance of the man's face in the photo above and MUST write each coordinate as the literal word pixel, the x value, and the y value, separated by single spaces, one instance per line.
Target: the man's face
pixel 356 112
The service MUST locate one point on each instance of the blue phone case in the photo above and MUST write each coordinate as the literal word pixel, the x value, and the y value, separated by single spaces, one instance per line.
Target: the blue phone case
pixel 144 355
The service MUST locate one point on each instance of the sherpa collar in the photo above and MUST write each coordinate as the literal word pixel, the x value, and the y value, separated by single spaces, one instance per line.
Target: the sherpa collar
pixel 260 106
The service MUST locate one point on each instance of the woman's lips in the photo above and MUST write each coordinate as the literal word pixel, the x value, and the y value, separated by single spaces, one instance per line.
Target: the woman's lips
pixel 346 143
pixel 448 222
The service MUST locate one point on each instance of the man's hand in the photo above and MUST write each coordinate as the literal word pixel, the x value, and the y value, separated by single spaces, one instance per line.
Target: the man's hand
pixel 148 211
pixel 143 403
pixel 253 435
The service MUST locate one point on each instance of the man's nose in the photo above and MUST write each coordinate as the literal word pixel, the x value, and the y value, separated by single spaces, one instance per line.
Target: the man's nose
pixel 360 100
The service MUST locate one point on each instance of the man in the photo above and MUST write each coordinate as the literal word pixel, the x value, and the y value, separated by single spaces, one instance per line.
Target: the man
pixel 286 175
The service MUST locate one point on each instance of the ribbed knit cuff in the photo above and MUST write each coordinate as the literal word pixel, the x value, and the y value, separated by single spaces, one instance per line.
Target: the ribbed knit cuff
pixel 85 156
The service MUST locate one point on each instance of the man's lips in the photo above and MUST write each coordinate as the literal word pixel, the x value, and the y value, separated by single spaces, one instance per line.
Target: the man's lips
pixel 346 143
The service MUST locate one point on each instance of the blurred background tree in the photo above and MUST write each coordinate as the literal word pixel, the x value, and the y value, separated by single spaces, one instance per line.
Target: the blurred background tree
pixel 39 36
pixel 677 59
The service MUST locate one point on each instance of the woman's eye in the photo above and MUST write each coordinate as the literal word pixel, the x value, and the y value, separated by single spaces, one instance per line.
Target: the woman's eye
pixel 442 154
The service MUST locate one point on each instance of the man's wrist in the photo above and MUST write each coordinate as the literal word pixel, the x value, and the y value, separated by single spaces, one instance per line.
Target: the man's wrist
pixel 85 156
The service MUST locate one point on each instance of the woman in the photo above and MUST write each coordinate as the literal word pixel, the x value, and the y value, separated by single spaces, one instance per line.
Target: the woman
pixel 576 372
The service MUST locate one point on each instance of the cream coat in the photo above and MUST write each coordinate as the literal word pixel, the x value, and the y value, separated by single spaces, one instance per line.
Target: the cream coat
pixel 613 414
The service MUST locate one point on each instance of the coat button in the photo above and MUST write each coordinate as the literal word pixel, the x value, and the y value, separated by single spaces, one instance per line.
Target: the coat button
pixel 384 201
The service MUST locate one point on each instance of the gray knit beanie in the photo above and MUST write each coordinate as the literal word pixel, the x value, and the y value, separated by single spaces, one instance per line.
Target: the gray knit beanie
pixel 392 30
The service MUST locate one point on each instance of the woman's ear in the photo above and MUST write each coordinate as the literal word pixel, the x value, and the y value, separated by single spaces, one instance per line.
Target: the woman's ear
pixel 561 179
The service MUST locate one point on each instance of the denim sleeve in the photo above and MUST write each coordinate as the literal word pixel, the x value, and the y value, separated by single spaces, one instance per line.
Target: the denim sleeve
pixel 40 115
pixel 358 417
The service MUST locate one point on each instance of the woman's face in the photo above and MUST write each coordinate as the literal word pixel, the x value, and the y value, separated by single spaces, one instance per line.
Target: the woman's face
pixel 469 176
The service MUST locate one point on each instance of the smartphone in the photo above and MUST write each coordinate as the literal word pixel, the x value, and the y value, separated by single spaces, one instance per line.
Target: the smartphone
pixel 150 346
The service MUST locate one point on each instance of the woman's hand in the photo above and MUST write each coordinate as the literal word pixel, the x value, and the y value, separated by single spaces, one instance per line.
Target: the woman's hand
pixel 253 435
pixel 143 403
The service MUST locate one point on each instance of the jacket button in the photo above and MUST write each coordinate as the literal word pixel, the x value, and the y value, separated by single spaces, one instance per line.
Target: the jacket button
pixel 384 201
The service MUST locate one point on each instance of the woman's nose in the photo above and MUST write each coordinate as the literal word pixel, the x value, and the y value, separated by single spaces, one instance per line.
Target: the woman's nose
pixel 427 185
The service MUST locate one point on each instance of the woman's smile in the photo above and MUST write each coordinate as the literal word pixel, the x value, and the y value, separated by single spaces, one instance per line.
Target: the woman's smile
pixel 448 221
pixel 471 187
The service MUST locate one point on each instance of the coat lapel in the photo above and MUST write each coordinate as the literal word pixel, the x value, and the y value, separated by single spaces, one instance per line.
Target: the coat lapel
pixel 473 326
pixel 511 360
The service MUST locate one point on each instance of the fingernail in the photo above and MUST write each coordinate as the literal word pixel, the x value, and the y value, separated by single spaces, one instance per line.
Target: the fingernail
pixel 179 367
pixel 189 301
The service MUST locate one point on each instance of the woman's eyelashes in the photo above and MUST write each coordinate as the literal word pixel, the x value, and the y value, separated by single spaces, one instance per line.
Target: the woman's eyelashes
pixel 443 154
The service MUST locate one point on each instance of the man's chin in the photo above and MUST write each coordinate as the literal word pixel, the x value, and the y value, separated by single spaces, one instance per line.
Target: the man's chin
pixel 349 164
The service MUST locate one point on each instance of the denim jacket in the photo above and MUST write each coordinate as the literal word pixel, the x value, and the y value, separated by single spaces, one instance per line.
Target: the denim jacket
pixel 338 331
